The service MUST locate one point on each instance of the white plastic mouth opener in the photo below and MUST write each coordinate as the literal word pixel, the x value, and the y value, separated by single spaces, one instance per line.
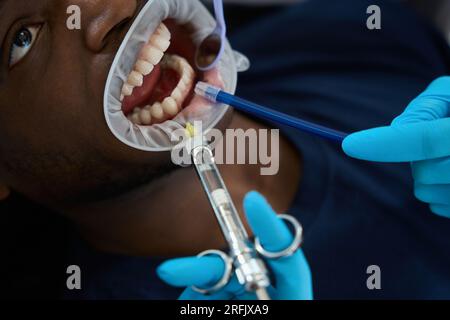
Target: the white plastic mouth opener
pixel 243 256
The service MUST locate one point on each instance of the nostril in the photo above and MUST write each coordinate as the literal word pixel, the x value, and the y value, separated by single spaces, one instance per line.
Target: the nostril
pixel 122 24
pixel 116 29
pixel 104 29
pixel 104 18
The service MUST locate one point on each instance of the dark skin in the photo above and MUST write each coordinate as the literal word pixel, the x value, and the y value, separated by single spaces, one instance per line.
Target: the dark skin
pixel 56 148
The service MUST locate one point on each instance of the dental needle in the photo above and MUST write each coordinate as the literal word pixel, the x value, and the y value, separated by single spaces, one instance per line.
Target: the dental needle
pixel 249 268
pixel 215 95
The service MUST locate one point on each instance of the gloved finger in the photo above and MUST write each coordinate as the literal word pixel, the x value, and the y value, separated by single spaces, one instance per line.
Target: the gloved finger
pixel 401 143
pixel 419 133
pixel 441 210
pixel 293 277
pixel 233 290
pixel 424 108
pixel 190 294
pixel 432 104
pixel 201 272
pixel 436 194
pixel 436 171
pixel 272 232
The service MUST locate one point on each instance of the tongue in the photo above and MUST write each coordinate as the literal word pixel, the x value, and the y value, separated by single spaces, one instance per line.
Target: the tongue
pixel 157 86
pixel 143 93
pixel 166 84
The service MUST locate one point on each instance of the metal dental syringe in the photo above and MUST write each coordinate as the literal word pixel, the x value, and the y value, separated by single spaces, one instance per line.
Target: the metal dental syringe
pixel 249 268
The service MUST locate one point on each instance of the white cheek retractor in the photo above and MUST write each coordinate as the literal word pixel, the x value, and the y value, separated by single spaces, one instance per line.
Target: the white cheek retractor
pixel 248 267
pixel 159 137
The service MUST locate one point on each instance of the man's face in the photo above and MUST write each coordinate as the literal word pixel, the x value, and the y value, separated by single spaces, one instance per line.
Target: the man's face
pixel 55 145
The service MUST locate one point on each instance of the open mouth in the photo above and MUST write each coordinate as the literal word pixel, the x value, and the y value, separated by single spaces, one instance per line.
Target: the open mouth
pixel 161 84
pixel 149 98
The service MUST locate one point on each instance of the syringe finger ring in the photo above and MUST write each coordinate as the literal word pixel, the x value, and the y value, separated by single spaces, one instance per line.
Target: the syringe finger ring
pixel 226 275
pixel 291 249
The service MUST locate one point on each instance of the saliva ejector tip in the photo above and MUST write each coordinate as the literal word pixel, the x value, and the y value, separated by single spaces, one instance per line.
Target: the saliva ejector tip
pixel 207 91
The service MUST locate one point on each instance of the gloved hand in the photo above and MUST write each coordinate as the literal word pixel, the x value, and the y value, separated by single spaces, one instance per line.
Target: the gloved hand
pixel 292 274
pixel 420 135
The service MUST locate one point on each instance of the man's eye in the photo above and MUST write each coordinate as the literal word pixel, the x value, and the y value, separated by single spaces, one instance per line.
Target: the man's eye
pixel 22 43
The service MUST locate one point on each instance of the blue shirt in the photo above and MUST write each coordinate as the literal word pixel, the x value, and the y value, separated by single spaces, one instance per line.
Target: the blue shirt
pixel 318 61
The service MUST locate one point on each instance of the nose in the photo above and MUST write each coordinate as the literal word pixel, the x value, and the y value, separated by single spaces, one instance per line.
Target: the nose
pixel 100 17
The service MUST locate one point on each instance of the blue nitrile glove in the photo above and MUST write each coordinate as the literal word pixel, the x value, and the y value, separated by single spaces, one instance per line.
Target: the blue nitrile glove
pixel 420 135
pixel 292 274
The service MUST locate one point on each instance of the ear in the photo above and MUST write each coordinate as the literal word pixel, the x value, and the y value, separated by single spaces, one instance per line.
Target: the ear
pixel 4 192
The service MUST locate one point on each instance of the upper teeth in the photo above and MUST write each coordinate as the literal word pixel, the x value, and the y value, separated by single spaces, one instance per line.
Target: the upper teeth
pixel 144 67
pixel 135 79
pixel 151 55
pixel 160 111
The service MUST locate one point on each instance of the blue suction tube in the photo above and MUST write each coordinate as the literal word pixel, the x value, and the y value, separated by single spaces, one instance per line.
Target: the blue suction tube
pixel 216 95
